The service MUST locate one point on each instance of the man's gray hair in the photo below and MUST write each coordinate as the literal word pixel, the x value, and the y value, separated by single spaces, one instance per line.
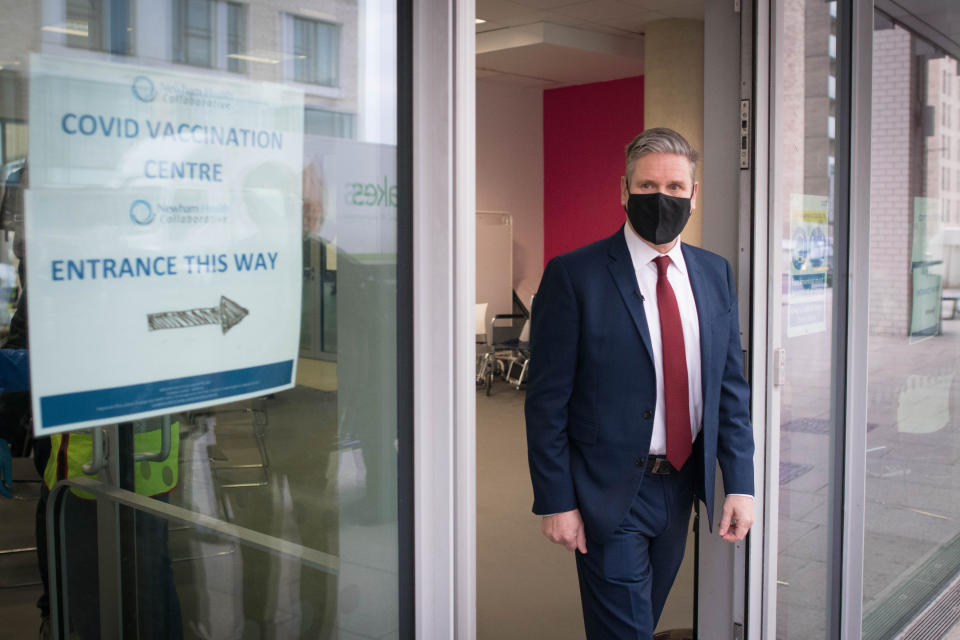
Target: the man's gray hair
pixel 660 140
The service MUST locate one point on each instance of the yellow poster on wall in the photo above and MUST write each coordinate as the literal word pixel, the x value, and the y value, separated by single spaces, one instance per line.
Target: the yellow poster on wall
pixel 809 252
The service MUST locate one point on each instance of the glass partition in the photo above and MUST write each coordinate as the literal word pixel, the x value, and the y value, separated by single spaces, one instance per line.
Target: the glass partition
pixel 203 197
pixel 912 518
pixel 803 306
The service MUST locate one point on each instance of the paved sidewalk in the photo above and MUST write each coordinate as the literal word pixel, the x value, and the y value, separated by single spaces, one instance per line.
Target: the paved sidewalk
pixel 912 457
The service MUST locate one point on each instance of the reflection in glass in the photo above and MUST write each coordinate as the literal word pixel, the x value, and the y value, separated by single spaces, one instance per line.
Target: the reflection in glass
pixel 806 155
pixel 236 37
pixel 193 32
pixel 316 51
pixel 96 25
pixel 912 528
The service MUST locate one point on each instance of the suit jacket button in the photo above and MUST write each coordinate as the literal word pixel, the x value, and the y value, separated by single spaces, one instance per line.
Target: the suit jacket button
pixel 647 414
pixel 639 462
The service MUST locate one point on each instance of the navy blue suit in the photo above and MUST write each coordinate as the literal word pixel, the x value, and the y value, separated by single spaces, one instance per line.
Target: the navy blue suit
pixel 592 391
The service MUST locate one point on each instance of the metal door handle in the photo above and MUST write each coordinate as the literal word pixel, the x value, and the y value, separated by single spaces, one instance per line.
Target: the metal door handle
pixel 165 445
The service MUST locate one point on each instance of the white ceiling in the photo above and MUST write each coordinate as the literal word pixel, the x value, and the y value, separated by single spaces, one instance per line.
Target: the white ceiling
pixel 549 43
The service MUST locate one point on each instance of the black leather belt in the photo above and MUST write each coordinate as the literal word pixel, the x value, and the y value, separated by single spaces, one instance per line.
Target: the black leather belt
pixel 659 465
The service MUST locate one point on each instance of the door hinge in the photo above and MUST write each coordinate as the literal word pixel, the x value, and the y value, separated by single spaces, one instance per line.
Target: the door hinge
pixel 744 134
pixel 779 367
pixel 737 631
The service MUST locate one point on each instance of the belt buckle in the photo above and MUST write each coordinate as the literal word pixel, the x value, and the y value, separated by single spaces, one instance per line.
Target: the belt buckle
pixel 661 467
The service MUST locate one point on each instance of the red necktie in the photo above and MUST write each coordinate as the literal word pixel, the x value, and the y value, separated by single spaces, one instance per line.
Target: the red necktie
pixel 676 393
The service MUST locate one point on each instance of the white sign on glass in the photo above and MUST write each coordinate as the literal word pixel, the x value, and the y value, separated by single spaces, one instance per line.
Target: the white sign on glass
pixel 163 240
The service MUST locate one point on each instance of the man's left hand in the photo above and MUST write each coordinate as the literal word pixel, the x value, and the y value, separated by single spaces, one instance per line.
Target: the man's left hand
pixel 737 518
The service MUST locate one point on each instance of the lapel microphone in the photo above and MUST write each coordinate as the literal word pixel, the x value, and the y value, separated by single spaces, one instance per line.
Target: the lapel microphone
pixel 637 293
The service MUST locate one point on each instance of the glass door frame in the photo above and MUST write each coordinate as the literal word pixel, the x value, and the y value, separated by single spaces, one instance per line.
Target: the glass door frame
pixel 850 319
pixel 726 604
pixel 443 286
pixel 421 571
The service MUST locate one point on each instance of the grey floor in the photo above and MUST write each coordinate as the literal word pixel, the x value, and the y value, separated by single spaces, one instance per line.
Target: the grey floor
pixel 526 586
pixel 912 507
pixel 19 575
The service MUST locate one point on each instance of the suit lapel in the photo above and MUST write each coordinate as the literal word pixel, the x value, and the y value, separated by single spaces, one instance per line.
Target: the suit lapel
pixel 704 313
pixel 621 268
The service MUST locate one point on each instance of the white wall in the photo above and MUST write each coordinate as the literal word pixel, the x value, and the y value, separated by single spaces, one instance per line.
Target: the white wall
pixel 510 171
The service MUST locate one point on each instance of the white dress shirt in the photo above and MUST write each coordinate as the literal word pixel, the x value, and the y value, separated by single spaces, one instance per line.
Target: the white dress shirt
pixel 643 256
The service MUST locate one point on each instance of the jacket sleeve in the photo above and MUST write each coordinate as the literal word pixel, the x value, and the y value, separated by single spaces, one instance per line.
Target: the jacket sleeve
pixel 735 437
pixel 554 338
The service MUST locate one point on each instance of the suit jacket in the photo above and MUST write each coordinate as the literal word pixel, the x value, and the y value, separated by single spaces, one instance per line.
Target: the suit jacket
pixel 591 395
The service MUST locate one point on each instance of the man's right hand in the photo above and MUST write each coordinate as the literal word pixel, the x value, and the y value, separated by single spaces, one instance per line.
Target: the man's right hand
pixel 565 528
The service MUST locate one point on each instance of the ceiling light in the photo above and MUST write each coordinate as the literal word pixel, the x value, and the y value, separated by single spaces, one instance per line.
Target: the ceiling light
pixel 240 56
pixel 480 20
pixel 72 30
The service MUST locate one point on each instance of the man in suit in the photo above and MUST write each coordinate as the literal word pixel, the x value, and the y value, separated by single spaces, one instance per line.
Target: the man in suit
pixel 636 392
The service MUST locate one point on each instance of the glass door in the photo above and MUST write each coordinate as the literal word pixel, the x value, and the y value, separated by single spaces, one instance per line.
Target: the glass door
pixel 863 390
pixel 209 209
pixel 805 303
pixel 911 552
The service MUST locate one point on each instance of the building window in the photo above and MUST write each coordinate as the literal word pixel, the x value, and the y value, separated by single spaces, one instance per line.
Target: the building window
pixel 236 37
pixel 98 25
pixel 193 32
pixel 210 33
pixel 316 52
pixel 331 124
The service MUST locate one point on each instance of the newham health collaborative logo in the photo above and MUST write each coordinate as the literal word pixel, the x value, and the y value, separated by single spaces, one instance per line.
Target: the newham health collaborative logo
pixel 143 89
pixel 141 212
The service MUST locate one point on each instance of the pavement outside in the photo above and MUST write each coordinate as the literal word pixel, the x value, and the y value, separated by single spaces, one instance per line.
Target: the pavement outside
pixel 912 510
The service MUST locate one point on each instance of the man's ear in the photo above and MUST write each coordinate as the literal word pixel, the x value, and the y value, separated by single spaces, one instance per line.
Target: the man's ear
pixel 624 192
pixel 693 196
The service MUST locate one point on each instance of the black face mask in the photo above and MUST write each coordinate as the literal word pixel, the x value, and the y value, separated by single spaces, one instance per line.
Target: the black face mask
pixel 657 218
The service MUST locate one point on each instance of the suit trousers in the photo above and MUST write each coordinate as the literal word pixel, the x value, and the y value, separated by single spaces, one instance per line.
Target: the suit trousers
pixel 625 581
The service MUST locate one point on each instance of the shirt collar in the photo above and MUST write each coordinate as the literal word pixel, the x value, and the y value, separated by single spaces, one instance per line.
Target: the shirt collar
pixel 642 254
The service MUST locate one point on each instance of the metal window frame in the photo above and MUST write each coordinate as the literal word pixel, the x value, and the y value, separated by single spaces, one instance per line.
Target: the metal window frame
pixel 766 28
pixel 857 330
pixel 444 426
pixel 757 234
pixel 841 436
pixel 406 518
pixel 850 322
pixel 726 606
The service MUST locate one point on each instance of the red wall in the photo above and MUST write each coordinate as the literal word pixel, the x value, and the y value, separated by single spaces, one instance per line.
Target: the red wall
pixel 585 133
